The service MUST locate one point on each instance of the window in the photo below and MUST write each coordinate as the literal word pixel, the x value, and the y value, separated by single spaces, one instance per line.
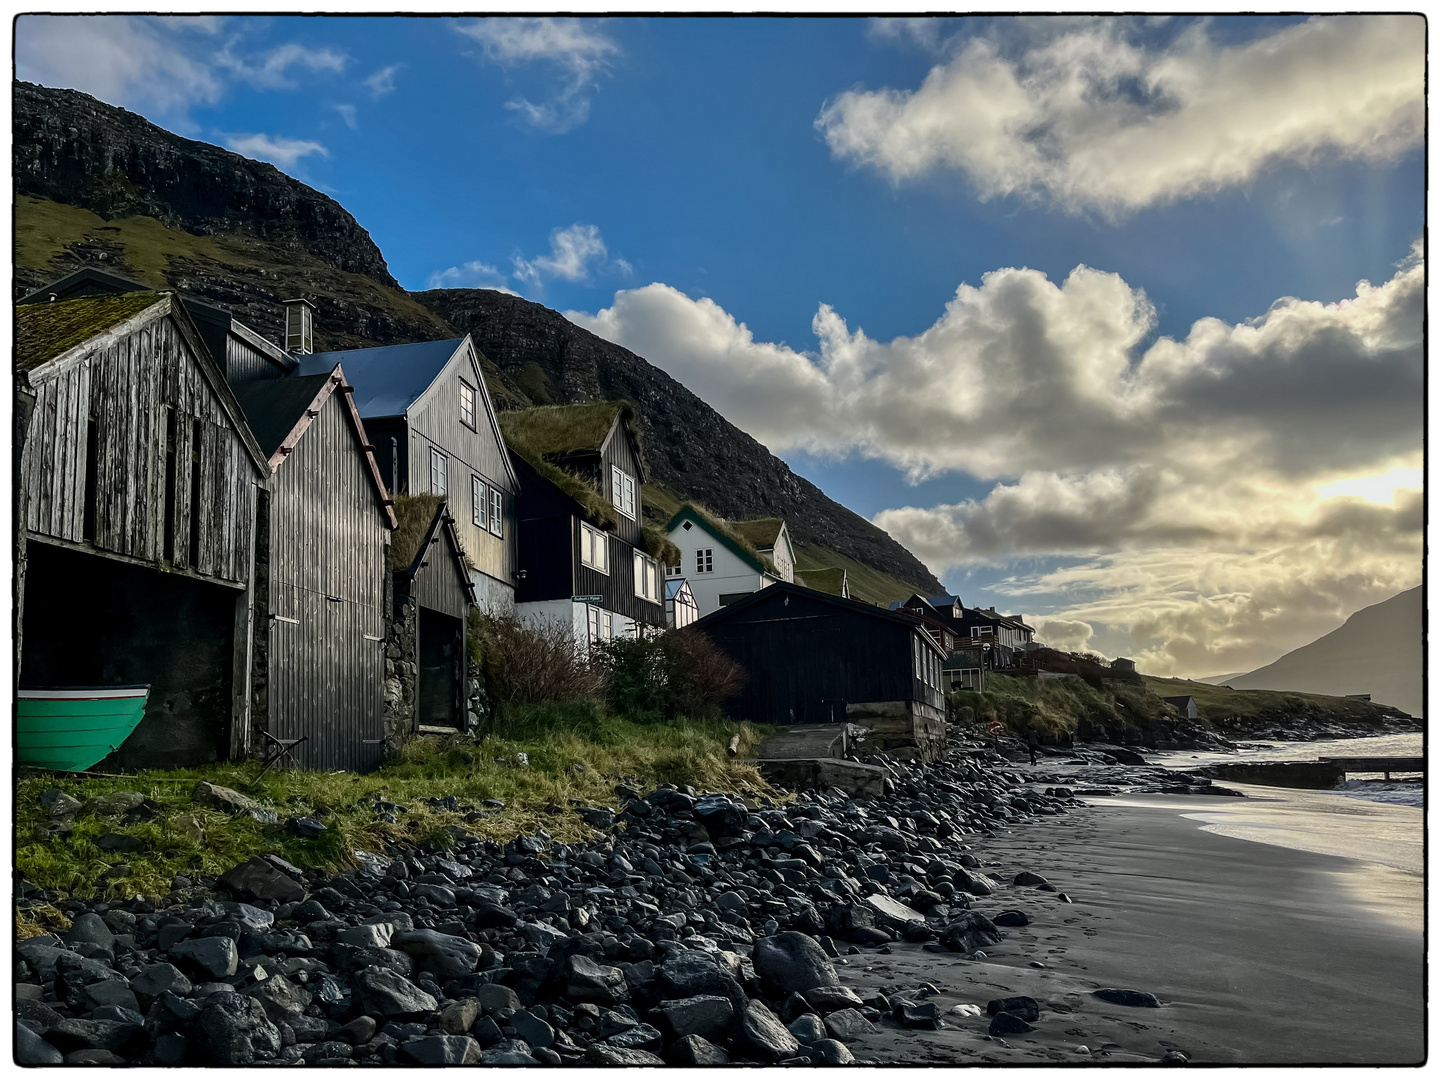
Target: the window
pixel 704 560
pixel 439 473
pixel 622 491
pixel 915 654
pixel 647 578
pixel 985 631
pixel 467 404
pixel 479 503
pixel 600 624
pixel 497 512
pixel 674 571
pixel 594 549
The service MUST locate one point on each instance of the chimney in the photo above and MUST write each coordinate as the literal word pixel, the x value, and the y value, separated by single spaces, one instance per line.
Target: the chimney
pixel 299 327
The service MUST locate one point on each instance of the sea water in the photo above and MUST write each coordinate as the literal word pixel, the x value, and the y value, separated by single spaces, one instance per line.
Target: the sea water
pixel 1369 786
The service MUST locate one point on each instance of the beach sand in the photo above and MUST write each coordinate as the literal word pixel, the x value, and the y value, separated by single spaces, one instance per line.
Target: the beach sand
pixel 1264 954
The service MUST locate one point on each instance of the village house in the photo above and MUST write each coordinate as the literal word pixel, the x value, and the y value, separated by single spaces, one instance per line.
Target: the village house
pixel 434 431
pixel 137 488
pixel 722 560
pixel 587 560
pixel 321 582
pixel 1185 705
pixel 813 658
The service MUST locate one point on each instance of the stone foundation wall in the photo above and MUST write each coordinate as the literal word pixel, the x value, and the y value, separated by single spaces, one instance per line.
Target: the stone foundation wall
pixel 903 729
pixel 402 670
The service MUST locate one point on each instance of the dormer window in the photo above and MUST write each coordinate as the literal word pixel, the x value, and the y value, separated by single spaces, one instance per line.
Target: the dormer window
pixel 622 491
pixel 467 404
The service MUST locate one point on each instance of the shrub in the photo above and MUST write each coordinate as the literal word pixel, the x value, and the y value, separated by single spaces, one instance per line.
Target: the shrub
pixel 535 663
pixel 673 674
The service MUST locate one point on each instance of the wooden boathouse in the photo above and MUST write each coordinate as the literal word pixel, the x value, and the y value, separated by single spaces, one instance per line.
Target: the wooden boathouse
pixel 324 565
pixel 137 483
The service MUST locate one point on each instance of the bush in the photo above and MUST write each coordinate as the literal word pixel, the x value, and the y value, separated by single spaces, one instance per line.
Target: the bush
pixel 673 674
pixel 536 663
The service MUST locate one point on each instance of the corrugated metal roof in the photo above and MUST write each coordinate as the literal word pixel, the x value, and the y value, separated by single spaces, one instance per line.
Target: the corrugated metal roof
pixel 273 406
pixel 387 379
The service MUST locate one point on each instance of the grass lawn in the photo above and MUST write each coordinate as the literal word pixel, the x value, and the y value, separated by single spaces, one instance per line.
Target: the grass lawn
pixel 575 753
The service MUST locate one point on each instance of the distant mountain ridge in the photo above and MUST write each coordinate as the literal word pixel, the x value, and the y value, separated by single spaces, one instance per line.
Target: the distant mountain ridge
pixel 1377 651
pixel 98 185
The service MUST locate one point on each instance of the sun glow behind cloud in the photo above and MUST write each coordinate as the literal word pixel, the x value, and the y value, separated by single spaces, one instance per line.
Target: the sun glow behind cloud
pixel 1381 488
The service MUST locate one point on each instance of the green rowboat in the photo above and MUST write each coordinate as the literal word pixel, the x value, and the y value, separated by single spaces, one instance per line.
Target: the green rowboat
pixel 71 728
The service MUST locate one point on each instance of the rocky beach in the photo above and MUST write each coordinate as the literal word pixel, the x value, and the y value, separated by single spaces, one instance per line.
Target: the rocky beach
pixel 977 911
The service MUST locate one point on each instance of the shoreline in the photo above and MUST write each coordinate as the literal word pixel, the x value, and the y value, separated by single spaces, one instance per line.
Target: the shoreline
pixel 1265 955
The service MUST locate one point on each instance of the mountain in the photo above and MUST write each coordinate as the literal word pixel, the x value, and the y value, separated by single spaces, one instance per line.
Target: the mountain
pixel 98 185
pixel 1378 651
pixel 1220 680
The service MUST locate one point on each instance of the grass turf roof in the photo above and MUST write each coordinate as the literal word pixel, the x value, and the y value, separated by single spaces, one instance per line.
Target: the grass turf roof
pixel 564 429
pixel 761 532
pixel 45 331
pixel 413 513
pixel 829 579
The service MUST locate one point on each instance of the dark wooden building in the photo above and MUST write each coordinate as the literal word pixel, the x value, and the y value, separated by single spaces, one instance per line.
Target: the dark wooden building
pixel 433 426
pixel 320 627
pixel 136 494
pixel 815 658
pixel 583 556
pixel 432 600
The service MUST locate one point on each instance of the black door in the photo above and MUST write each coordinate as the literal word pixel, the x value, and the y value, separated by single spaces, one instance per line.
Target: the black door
pixel 441 669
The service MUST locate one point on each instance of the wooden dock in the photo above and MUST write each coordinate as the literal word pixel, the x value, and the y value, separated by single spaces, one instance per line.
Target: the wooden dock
pixel 1327 772
pixel 1386 765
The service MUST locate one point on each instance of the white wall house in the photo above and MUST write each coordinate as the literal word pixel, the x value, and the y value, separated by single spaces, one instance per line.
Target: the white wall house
pixel 718 568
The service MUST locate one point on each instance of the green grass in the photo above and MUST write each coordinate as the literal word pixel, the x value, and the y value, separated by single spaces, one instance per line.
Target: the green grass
pixel 575 752
pixel 1223 708
pixel 1058 706
pixel 866 583
pixel 45 331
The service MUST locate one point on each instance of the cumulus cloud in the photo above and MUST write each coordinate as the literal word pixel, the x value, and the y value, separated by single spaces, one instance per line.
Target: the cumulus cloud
pixel 160 65
pixel 276 149
pixel 470 275
pixel 1093 118
pixel 574 252
pixel 1159 472
pixel 578 51
pixel 1068 635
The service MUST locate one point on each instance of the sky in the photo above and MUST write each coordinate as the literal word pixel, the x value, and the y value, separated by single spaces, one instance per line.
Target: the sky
pixel 1114 322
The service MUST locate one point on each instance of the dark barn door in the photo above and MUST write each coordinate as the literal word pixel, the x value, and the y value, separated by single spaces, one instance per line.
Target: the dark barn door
pixel 442 669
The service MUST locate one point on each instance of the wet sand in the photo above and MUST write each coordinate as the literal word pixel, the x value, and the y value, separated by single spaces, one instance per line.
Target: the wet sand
pixel 1263 954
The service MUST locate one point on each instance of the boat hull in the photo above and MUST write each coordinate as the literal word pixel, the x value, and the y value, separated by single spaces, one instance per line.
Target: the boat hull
pixel 70 729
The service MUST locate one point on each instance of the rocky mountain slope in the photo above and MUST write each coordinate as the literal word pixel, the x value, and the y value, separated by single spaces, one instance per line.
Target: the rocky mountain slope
pixel 101 186
pixel 1378 651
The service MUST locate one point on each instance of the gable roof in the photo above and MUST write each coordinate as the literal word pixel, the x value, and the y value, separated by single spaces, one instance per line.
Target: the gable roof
pixel 764 533
pixel 44 332
pixel 785 588
pixel 389 378
pixel 280 412
pixel 675 586
pixel 558 432
pixel 55 336
pixel 736 545
pixel 442 525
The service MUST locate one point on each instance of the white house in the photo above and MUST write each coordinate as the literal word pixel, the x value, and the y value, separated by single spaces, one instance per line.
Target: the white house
pixel 720 566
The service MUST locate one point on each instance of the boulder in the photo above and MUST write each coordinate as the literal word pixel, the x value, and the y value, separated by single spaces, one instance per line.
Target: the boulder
pixel 581 979
pixel 845 1024
pixel 1027 1008
pixel 1008 1024
pixel 448 956
pixel 459 1016
pixel 601 1054
pixel 831 1052
pixel 695 1050
pixel 280 997
pixel 1011 918
pixel 441 1050
pixel 233 1030
pixel 261 879
pixel 792 961
pixel 827 999
pixel 706 1015
pixel 382 992
pixel 970 931
pixel 114 804
pixel 221 798
pixel 761 1034
pixel 1136 999
pixel 31 1049
pixel 215 957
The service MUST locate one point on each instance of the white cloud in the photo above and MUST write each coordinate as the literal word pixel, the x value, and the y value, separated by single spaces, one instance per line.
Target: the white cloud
pixel 923 31
pixel 383 81
pixel 579 51
pixel 574 252
pixel 276 149
pixel 271 70
pixel 1094 119
pixel 470 275
pixel 347 113
pixel 123 59
pixel 1240 466
pixel 1068 635
pixel 158 65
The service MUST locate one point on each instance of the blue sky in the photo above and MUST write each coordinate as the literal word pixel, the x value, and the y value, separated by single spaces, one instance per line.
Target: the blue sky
pixel 629 170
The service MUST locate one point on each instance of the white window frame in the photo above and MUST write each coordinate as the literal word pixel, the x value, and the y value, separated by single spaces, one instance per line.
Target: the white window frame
pixel 647 578
pixel 479 503
pixel 622 491
pixel 468 421
pixel 592 540
pixel 497 512
pixel 704 560
pixel 439 468
pixel 599 624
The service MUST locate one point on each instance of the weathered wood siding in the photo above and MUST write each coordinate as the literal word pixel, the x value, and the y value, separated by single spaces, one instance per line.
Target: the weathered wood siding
pixel 244 362
pixel 439 586
pixel 327 580
pixel 622 453
pixel 434 421
pixel 134 394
